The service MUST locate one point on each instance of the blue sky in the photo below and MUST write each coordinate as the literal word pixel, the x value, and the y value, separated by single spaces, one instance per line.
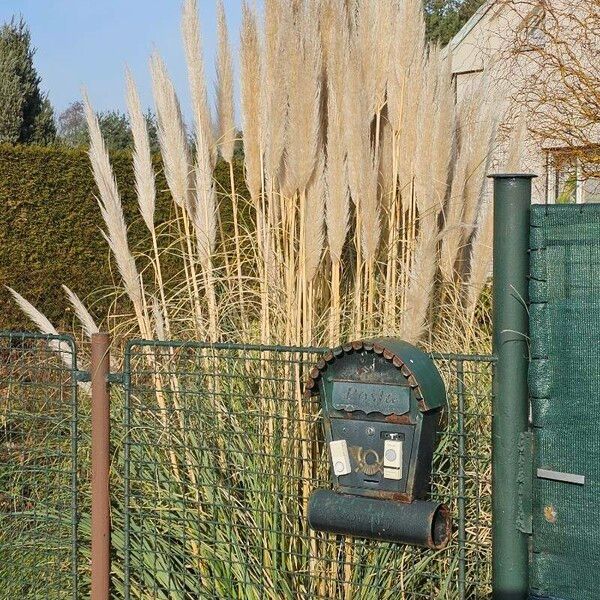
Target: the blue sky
pixel 89 42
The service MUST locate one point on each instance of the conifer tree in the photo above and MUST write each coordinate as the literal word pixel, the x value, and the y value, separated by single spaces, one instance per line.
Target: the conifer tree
pixel 26 115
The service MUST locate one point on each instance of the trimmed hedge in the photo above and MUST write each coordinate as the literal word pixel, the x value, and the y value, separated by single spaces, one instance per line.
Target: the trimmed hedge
pixel 50 228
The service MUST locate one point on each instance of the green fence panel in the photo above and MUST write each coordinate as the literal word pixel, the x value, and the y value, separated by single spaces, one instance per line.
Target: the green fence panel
pixel 221 453
pixel 565 396
pixel 38 467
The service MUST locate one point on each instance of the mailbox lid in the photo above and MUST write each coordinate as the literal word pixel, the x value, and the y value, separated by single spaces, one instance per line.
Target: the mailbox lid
pixel 416 368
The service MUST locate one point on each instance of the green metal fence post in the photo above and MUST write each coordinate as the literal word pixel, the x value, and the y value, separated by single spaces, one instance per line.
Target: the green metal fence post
pixel 510 560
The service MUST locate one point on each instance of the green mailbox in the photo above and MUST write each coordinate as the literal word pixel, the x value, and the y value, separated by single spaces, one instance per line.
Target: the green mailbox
pixel 381 403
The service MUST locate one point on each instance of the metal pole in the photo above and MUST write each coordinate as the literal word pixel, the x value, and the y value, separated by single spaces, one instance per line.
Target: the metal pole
pixel 510 553
pixel 100 369
pixel 462 534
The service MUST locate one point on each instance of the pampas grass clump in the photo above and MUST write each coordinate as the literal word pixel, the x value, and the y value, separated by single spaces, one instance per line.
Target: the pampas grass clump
pixel 366 184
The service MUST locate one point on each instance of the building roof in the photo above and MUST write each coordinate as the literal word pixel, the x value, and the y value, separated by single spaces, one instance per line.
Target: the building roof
pixel 471 23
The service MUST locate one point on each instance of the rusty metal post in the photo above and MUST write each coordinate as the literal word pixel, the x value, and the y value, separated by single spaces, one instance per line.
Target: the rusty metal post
pixel 100 369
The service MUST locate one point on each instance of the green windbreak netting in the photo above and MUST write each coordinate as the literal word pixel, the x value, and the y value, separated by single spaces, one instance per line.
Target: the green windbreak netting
pixel 565 395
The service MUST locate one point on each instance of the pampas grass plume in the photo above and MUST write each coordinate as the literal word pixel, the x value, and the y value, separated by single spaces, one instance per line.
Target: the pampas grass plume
pixel 225 105
pixel 82 313
pixel 142 157
pixel 171 132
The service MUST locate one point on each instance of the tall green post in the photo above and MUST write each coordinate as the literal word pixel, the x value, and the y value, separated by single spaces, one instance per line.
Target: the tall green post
pixel 510 551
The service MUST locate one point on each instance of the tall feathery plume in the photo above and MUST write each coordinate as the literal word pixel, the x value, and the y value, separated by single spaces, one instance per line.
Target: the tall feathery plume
pixel 420 288
pixel 481 258
pixel 109 202
pixel 404 86
pixel 480 266
pixel 304 94
pixel 273 92
pixel 273 122
pixel 172 135
pixel 408 47
pixel 175 153
pixel 203 212
pixel 190 28
pixel 40 319
pixel 337 190
pixel 363 169
pixel 303 133
pixel 144 177
pixel 225 102
pixel 205 209
pixel 403 98
pixel 443 126
pixel 142 157
pixel 425 177
pixel 227 134
pixel 443 129
pixel 81 312
pixel 373 36
pixel 433 155
pixel 251 77
pixel 484 132
pixel 453 211
pixel 45 326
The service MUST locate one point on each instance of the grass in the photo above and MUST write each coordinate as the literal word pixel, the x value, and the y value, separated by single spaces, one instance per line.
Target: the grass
pixel 218 484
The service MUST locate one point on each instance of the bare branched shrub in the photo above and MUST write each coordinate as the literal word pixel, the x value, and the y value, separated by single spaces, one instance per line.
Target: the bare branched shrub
pixel 555 54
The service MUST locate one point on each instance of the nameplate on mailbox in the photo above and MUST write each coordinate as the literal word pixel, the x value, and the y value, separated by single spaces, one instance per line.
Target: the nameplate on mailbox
pixel 383 398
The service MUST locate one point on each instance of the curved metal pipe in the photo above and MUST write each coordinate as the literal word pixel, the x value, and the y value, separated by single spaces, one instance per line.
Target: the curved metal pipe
pixel 418 523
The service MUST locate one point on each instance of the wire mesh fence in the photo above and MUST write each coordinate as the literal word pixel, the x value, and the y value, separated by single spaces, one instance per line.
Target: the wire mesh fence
pixel 38 467
pixel 221 454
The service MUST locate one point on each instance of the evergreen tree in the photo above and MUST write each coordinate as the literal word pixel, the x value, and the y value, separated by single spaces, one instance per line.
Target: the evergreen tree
pixel 114 125
pixel 26 115
pixel 444 18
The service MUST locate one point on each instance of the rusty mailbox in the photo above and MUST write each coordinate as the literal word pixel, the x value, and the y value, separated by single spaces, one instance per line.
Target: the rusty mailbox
pixel 381 402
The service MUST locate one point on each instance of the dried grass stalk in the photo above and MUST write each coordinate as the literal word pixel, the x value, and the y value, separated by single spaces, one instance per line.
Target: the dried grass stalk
pixel 481 258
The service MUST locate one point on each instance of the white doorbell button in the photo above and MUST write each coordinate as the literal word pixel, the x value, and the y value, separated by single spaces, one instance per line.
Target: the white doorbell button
pixel 392 459
pixel 340 457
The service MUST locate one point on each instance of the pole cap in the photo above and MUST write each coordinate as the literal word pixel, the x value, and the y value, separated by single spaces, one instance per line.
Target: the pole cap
pixel 512 175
